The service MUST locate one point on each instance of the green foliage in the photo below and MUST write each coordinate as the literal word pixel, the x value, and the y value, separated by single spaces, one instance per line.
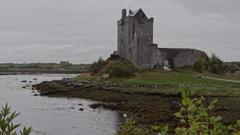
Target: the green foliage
pixel 114 67
pixel 196 117
pixel 96 66
pixel 155 130
pixel 7 127
pixel 116 71
pixel 216 65
pixel 232 68
pixel 201 65
pixel 130 127
pixel 215 60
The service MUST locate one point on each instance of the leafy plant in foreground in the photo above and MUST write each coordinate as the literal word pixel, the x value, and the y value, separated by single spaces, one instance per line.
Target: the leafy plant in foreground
pixel 7 127
pixel 130 128
pixel 195 116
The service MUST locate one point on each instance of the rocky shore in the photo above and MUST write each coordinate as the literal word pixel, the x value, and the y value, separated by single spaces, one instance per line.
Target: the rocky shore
pixel 146 107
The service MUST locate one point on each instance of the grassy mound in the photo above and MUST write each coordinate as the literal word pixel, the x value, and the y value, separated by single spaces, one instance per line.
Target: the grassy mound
pixel 115 67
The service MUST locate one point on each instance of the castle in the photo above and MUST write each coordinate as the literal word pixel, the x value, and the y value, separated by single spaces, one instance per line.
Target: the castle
pixel 135 43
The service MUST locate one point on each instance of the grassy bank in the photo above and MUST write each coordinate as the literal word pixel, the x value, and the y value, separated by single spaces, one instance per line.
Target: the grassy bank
pixel 36 68
pixel 160 81
pixel 149 97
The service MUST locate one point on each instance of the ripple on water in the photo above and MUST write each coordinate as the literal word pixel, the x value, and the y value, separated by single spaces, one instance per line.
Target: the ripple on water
pixel 54 116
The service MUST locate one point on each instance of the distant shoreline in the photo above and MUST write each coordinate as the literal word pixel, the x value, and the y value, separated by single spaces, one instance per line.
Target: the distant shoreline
pixel 39 72
pixel 43 68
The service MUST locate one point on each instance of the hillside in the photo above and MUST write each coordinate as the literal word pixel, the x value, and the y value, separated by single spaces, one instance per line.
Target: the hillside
pixel 114 66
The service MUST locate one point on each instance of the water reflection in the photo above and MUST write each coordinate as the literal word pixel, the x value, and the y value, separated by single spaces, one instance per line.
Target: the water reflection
pixel 54 116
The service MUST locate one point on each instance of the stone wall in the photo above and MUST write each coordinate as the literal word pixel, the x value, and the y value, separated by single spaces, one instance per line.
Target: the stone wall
pixel 135 43
pixel 182 57
pixel 135 35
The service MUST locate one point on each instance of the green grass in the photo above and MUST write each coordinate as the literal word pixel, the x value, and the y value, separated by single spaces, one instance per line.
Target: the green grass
pixel 199 86
pixel 166 77
pixel 172 82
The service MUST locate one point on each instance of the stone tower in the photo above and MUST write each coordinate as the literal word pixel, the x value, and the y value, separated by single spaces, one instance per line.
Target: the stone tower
pixel 135 43
pixel 135 37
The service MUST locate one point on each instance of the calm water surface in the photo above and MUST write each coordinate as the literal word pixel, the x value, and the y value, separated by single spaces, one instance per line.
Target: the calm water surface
pixel 54 116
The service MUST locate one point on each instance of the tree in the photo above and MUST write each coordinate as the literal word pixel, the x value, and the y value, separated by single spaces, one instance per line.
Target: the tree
pixel 97 65
pixel 200 66
pixel 216 64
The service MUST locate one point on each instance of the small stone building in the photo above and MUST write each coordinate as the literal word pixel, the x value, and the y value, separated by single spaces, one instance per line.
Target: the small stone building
pixel 135 43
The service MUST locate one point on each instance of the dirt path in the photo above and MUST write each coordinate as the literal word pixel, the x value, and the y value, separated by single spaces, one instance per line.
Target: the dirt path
pixel 219 79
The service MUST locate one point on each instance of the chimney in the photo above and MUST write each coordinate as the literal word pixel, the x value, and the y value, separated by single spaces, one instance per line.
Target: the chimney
pixel 130 11
pixel 124 13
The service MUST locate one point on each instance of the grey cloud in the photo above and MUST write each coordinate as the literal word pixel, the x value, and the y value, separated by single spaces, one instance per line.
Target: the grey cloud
pixel 84 30
pixel 222 10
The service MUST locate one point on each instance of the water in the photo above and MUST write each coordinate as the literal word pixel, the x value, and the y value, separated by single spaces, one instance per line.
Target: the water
pixel 54 116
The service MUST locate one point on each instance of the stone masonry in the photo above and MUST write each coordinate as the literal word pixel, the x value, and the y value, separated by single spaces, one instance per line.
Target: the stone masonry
pixel 135 43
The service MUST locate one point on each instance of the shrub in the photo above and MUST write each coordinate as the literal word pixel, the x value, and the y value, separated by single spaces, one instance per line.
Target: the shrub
pixel 201 65
pixel 215 60
pixel 7 127
pixel 114 67
pixel 195 117
pixel 232 68
pixel 118 71
pixel 130 127
pixel 96 66
pixel 216 65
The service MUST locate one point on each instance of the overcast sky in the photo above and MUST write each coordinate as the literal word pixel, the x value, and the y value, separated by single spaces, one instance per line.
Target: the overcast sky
pixel 81 31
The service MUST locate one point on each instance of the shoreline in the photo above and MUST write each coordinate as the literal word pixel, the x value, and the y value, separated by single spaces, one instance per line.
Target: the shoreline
pixel 39 73
pixel 146 108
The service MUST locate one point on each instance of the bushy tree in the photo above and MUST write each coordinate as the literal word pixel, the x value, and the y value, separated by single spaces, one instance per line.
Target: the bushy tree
pixel 7 127
pixel 232 68
pixel 96 66
pixel 216 65
pixel 201 65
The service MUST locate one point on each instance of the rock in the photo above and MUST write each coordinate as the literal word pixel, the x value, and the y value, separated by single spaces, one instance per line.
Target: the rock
pixel 224 108
pixel 94 106
pixel 81 109
pixel 80 104
pixel 45 88
pixel 35 95
pixel 105 106
pixel 23 81
pixel 105 76
pixel 24 87
pixel 175 105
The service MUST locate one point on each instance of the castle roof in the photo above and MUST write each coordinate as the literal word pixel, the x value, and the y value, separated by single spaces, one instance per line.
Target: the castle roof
pixel 138 12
